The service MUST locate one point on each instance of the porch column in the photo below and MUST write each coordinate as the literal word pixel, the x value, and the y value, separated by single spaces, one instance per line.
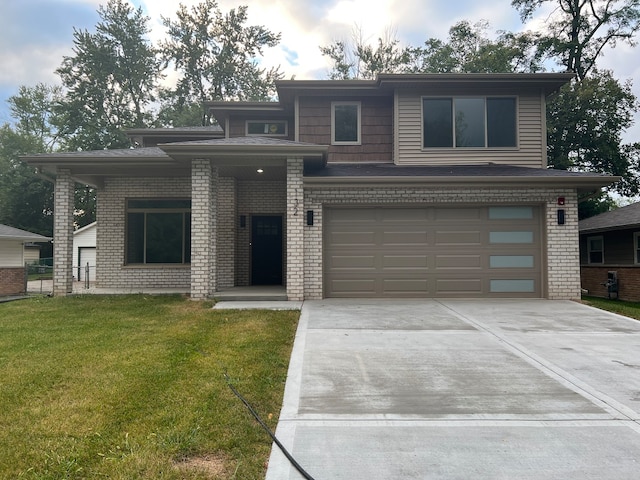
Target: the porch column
pixel 204 179
pixel 63 233
pixel 295 230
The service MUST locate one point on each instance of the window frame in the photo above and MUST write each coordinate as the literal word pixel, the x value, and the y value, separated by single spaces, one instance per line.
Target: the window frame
pixel 185 252
pixel 486 99
pixel 358 106
pixel 266 122
pixel 636 248
pixel 589 249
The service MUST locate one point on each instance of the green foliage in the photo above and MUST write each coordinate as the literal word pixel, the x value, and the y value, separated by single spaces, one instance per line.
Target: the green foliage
pixel 109 80
pixel 126 387
pixel 585 123
pixel 216 57
pixel 579 30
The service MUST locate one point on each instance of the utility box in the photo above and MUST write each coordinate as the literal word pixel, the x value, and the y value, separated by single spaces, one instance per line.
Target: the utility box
pixel 612 284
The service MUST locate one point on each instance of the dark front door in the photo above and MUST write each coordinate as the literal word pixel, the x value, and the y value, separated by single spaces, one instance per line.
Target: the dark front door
pixel 266 250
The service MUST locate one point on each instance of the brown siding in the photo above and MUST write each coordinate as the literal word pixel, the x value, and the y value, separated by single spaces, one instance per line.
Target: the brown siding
pixel 376 130
pixel 531 134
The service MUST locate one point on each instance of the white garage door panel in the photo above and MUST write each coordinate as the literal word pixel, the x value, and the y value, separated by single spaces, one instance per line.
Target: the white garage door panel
pixel 433 251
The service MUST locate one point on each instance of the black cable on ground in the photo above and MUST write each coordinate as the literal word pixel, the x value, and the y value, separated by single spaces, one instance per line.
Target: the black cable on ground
pixel 297 466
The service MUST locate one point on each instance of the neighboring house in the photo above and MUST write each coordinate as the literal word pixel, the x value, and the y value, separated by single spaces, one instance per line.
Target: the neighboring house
pixel 430 185
pixel 610 246
pixel 84 252
pixel 12 258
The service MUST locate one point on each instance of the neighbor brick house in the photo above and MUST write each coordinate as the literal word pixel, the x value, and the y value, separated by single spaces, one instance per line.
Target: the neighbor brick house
pixel 610 245
pixel 431 185
pixel 13 258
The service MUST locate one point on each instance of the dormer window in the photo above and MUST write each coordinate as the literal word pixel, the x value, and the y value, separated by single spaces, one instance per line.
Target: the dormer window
pixel 469 122
pixel 345 123
pixel 274 128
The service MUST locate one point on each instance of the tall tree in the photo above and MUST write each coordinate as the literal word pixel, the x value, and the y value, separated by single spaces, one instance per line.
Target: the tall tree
pixel 110 80
pixel 26 200
pixel 217 58
pixel 355 58
pixel 468 49
pixel 580 30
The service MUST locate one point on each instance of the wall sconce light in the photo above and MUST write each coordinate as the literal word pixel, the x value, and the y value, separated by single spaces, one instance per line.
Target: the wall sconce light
pixel 243 221
pixel 310 218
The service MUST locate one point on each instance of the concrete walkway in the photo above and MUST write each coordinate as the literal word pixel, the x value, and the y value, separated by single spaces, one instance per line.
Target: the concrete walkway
pixel 461 389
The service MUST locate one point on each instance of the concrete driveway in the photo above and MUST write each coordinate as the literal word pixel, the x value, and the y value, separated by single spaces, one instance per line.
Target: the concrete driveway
pixel 461 389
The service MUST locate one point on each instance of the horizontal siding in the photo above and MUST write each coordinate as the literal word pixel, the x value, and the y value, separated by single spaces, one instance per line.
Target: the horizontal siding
pixel 530 153
pixel 376 130
pixel 11 253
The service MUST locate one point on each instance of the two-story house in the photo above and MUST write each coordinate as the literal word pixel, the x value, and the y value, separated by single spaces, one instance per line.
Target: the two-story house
pixel 429 185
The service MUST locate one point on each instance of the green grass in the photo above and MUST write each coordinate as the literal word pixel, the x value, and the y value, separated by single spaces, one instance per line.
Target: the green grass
pixel 132 387
pixel 628 309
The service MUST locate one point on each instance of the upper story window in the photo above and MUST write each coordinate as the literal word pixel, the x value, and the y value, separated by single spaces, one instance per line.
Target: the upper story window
pixel 345 123
pixel 469 122
pixel 274 128
pixel 158 231
pixel 595 249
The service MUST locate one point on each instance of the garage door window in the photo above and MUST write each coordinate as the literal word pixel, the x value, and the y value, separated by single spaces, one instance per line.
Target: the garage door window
pixel 511 261
pixel 511 237
pixel 510 213
pixel 512 286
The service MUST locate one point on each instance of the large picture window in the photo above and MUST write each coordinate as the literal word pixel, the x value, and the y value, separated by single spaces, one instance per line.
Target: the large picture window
pixel 158 231
pixel 469 122
pixel 345 123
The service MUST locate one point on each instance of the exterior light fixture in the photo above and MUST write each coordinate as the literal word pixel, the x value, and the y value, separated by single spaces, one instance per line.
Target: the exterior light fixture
pixel 260 170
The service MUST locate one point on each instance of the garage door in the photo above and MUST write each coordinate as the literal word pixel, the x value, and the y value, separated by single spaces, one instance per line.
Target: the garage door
pixel 87 255
pixel 492 251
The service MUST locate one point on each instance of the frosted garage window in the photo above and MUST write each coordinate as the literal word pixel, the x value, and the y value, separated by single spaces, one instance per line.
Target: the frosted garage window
pixel 511 237
pixel 511 261
pixel 512 286
pixel 510 213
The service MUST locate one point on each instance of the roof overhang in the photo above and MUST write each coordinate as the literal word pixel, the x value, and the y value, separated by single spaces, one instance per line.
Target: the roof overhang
pixel 483 176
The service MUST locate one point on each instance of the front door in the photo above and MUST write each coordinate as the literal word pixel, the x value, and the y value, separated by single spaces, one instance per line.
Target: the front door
pixel 266 250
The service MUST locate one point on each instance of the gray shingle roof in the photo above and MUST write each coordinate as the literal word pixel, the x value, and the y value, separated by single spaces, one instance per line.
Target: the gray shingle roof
pixel 11 233
pixel 485 170
pixel 624 217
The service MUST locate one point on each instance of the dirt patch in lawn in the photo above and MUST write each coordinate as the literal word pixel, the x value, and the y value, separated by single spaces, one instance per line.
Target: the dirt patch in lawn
pixel 215 465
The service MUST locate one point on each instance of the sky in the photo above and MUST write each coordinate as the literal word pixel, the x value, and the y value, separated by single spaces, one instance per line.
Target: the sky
pixel 35 35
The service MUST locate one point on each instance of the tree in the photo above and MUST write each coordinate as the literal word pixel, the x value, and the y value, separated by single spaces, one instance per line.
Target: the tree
pixel 355 58
pixel 26 200
pixel 216 56
pixel 110 80
pixel 468 49
pixel 582 29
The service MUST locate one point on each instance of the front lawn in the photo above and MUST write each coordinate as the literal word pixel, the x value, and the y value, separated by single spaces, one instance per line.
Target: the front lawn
pixel 132 387
pixel 628 309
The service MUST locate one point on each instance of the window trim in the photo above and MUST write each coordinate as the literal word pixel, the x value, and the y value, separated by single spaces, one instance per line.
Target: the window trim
pixel 358 104
pixel 147 210
pixel 453 99
pixel 636 248
pixel 272 121
pixel 589 250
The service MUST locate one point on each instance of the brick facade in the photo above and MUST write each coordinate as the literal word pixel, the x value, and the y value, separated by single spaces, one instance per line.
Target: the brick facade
pixel 628 281
pixel 12 281
pixel 110 251
pixel 295 230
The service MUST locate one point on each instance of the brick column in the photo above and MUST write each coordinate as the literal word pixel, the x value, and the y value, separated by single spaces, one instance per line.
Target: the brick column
pixel 227 225
pixel 295 230
pixel 63 233
pixel 204 181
